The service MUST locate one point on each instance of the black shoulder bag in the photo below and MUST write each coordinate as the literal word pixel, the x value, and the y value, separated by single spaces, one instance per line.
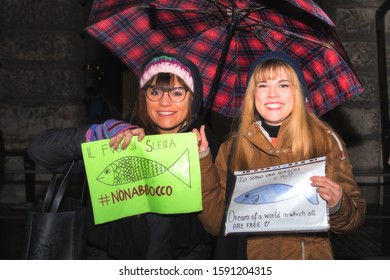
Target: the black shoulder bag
pixel 52 234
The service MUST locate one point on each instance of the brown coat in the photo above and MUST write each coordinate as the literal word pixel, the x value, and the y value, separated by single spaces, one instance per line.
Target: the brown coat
pixel 283 246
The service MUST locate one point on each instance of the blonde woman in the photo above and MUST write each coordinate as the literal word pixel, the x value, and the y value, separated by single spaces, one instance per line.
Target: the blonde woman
pixel 276 128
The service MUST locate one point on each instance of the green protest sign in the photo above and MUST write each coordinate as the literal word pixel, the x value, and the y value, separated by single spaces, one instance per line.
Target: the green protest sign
pixel 160 174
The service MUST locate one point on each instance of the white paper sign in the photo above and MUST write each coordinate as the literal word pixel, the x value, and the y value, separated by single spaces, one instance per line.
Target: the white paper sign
pixel 278 199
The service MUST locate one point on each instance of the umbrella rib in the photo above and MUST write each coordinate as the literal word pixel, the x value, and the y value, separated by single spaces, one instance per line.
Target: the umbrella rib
pixel 205 12
pixel 286 32
pixel 196 34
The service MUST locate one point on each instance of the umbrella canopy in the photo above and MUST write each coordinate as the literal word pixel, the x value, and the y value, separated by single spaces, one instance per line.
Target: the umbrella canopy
pixel 224 37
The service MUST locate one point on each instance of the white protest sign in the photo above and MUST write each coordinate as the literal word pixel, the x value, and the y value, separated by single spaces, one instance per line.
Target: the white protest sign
pixel 278 199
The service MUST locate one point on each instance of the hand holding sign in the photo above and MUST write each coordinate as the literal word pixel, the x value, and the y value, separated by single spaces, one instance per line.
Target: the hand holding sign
pixel 278 199
pixel 159 174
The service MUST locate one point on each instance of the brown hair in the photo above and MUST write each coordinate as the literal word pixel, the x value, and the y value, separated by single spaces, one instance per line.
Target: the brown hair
pixel 140 115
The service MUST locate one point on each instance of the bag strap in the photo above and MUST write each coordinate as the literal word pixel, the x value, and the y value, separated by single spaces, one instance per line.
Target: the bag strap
pixel 49 193
pixel 61 190
pixel 83 192
pixel 51 204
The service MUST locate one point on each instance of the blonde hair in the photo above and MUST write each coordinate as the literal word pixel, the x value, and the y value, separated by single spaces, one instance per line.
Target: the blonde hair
pixel 306 134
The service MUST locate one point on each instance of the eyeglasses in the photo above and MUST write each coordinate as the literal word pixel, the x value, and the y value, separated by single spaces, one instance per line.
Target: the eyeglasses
pixel 176 94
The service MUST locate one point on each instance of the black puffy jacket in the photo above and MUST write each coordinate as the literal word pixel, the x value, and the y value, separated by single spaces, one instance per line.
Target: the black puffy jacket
pixel 147 236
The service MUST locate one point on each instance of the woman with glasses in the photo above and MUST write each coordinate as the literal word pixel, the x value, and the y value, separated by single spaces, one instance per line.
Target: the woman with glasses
pixel 169 101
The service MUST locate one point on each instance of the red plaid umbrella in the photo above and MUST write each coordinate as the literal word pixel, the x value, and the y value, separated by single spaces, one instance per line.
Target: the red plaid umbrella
pixel 224 37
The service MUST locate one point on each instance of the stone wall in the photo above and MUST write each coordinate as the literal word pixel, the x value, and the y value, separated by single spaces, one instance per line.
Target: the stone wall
pixel 358 120
pixel 42 56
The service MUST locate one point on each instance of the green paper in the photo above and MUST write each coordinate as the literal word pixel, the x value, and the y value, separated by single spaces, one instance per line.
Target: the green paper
pixel 160 174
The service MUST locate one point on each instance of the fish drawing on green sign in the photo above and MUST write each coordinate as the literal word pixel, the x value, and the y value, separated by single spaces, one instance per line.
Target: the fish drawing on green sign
pixel 133 168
